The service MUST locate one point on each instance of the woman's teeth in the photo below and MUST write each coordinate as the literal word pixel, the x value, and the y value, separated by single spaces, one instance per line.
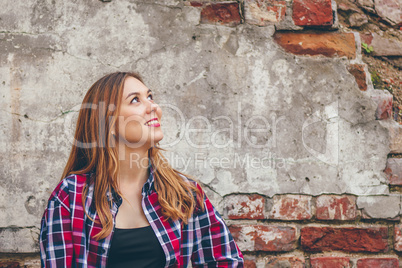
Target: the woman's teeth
pixel 151 122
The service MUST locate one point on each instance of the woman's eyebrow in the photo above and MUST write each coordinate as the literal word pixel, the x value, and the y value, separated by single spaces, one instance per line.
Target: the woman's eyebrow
pixel 136 93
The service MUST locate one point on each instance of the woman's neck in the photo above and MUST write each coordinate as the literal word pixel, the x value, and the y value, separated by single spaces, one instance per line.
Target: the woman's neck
pixel 133 167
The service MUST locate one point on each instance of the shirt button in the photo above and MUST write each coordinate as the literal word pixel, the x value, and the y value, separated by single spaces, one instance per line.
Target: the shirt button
pixel 102 250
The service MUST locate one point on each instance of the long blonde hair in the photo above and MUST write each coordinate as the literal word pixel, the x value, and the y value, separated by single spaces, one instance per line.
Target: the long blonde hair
pixel 93 150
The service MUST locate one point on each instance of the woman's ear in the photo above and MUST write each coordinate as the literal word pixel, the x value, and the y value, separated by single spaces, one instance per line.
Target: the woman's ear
pixel 113 130
pixel 112 137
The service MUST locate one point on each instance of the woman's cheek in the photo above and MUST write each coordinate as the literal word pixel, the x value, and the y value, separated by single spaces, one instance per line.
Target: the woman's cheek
pixel 131 131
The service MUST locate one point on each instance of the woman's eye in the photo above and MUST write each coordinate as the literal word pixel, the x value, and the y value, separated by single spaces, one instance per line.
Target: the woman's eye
pixel 150 97
pixel 135 99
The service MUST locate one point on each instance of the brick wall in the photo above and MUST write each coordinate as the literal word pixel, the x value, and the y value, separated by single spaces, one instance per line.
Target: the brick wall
pixel 297 230
pixel 320 231
pixel 327 230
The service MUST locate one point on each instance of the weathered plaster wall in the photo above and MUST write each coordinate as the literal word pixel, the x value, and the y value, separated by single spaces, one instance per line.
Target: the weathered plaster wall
pixel 273 122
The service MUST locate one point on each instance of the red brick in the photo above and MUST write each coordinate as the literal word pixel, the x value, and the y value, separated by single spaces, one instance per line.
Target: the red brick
pixel 245 206
pixel 225 13
pixel 326 44
pixel 9 264
pixel 357 70
pixel 329 262
pixel 196 4
pixel 333 207
pixel 312 12
pixel 291 207
pixel 349 239
pixel 264 12
pixel 378 263
pixel 249 264
pixel 398 237
pixel 393 170
pixel 366 38
pixel 384 106
pixel 294 262
pixel 264 238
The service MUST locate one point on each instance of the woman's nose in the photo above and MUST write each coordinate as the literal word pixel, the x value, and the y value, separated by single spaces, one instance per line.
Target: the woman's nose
pixel 152 107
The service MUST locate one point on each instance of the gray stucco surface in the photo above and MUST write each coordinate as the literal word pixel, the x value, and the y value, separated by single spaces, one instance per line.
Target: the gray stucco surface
pixel 273 122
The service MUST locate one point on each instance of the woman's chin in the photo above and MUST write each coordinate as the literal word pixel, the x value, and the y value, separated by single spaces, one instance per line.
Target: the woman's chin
pixel 157 140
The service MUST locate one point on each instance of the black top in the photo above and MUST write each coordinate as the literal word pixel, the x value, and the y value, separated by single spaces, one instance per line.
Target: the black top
pixel 137 248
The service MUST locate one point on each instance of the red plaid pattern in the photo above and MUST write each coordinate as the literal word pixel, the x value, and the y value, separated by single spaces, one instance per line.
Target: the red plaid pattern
pixel 66 237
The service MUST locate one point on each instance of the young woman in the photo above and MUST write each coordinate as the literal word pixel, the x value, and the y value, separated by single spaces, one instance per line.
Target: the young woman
pixel 119 203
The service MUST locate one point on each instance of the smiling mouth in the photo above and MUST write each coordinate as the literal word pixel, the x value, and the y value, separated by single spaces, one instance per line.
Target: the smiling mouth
pixel 153 123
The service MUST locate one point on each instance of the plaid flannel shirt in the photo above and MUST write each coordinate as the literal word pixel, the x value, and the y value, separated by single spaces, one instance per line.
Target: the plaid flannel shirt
pixel 67 234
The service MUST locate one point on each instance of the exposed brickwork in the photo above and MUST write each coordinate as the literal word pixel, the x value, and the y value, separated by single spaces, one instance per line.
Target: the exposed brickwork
pixel 249 264
pixel 291 207
pixel 398 237
pixel 357 70
pixel 395 133
pixel 9 264
pixel 294 262
pixel 195 4
pixel 384 108
pixel 312 12
pixel 333 207
pixel 225 13
pixel 274 246
pixel 378 263
pixel 264 238
pixel 326 44
pixel 394 171
pixel 329 262
pixel 19 260
pixel 264 12
pixel 245 206
pixel 350 239
pixel 366 38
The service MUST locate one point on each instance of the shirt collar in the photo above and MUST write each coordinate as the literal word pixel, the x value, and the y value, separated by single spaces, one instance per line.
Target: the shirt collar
pixel 149 184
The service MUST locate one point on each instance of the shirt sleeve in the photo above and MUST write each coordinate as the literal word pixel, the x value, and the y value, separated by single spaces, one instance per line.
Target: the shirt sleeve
pixel 55 239
pixel 214 245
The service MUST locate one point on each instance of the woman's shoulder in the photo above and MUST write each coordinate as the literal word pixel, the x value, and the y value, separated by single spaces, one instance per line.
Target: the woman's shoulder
pixel 72 184
pixel 77 180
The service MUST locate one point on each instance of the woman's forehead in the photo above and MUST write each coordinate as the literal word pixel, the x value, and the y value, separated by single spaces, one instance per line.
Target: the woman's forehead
pixel 133 85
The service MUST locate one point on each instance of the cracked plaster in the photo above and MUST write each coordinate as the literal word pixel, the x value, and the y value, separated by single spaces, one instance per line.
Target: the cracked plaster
pixel 315 131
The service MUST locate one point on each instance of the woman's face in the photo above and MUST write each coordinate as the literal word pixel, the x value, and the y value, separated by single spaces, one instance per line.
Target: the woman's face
pixel 139 116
